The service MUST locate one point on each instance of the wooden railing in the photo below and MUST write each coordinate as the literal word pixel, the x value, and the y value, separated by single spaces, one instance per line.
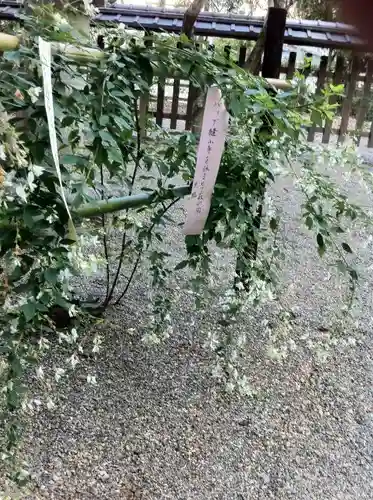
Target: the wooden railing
pixel 171 101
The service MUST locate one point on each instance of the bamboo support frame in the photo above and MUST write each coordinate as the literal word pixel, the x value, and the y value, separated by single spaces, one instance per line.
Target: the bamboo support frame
pixel 125 202
pixel 8 42
pixel 279 84
pixel 11 42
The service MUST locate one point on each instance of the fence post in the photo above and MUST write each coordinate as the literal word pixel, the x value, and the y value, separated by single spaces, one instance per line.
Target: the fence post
pixel 271 68
pixel 274 42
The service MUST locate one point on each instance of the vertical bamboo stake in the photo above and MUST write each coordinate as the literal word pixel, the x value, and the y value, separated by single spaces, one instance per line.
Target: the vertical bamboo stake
pixel 144 104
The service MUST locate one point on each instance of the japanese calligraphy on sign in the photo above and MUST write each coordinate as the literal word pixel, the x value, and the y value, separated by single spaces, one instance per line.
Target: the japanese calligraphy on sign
pixel 210 150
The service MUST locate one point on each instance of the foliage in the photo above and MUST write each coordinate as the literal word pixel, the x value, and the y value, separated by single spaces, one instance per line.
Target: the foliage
pixel 101 146
pixel 317 9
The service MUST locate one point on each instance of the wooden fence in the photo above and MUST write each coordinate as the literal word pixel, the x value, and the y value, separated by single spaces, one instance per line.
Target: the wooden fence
pixel 171 101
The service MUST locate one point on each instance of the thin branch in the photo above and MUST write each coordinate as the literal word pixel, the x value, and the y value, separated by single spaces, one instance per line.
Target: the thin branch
pixel 129 279
pixel 137 262
pixel 102 193
pixel 104 237
pixel 135 170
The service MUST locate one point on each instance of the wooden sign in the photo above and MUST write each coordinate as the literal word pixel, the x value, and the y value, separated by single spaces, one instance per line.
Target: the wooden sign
pixel 210 150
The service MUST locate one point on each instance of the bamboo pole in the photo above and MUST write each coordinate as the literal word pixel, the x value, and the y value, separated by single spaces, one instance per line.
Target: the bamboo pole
pixel 88 54
pixel 8 42
pixel 138 200
pixel 279 84
pixel 77 54
pixel 115 204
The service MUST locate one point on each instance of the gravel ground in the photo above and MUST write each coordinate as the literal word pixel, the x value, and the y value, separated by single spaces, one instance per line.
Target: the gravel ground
pixel 157 426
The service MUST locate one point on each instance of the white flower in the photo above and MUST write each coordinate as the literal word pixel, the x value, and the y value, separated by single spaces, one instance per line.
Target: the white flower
pixel 40 372
pixel 91 379
pixel 36 170
pixel 72 312
pixel 50 404
pixel 34 93
pixel 73 360
pixel 59 20
pixel 229 387
pixel 74 334
pixel 30 181
pixel 64 275
pixel 97 341
pixel 43 343
pixel 20 190
pixel 212 341
pixel 2 153
pixel 59 373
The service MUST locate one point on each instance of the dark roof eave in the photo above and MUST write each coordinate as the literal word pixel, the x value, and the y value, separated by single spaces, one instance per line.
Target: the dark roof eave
pixel 298 32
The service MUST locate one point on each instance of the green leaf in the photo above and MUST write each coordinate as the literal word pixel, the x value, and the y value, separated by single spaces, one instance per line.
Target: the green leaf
pixel 346 248
pixel 73 81
pixel 181 265
pixel 104 120
pixel 353 274
pixel 121 123
pixel 70 159
pixel 321 244
pixel 67 121
pixel 115 155
pixel 273 224
pixel 341 266
pixel 51 275
pixel 309 222
pixel 12 55
pixel 29 310
pixel 107 138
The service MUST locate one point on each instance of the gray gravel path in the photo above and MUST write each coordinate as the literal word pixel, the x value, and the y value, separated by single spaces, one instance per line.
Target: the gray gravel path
pixel 157 427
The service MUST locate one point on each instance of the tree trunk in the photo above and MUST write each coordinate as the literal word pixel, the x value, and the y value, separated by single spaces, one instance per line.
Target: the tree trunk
pixel 254 60
pixel 190 17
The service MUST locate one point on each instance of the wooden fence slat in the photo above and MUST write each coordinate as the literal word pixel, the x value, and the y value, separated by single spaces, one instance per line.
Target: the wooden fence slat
pixel 370 137
pixel 175 103
pixel 144 100
pixel 364 103
pixel 338 76
pixel 347 102
pixel 192 96
pixel 160 101
pixel 319 86
pixel 242 56
pixel 290 70
pixel 175 100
